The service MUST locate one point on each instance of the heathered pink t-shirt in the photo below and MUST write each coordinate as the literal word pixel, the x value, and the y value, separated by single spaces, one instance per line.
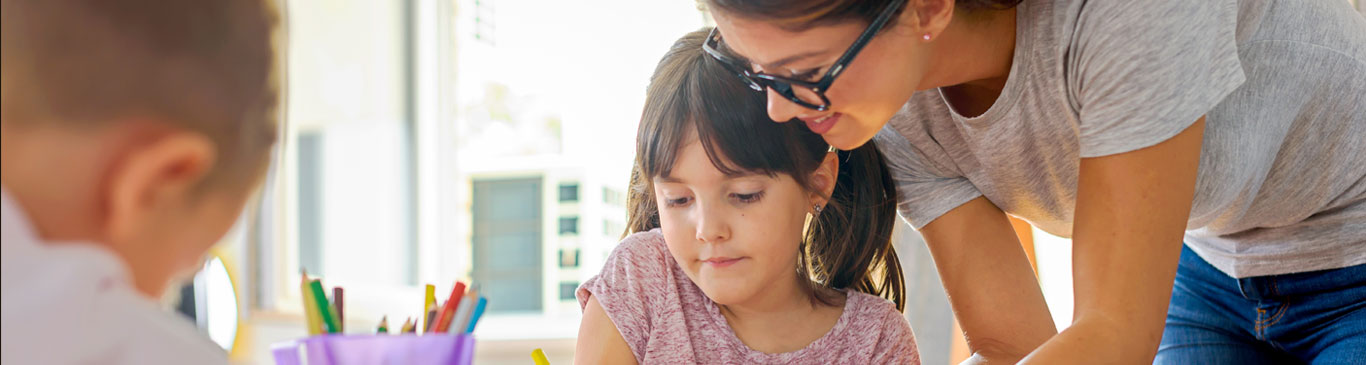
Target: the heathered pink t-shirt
pixel 666 319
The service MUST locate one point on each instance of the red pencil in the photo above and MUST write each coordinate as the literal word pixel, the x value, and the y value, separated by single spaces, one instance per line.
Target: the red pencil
pixel 443 319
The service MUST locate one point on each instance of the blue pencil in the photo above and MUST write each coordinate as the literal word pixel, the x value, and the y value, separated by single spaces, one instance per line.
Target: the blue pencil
pixel 478 311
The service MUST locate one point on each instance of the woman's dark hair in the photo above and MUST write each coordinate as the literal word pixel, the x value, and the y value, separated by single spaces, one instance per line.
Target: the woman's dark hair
pixel 847 246
pixel 804 14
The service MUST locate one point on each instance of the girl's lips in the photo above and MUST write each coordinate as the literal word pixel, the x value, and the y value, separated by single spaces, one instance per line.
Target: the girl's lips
pixel 820 125
pixel 720 262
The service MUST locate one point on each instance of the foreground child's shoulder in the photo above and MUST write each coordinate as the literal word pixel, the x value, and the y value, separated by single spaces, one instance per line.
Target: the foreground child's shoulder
pixel 640 261
pixel 635 271
pixel 643 245
pixel 635 289
pixel 889 332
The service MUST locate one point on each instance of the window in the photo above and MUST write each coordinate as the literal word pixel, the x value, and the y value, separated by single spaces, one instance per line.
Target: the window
pixel 569 193
pixel 507 233
pixel 613 197
pixel 569 225
pixel 567 290
pixel 569 258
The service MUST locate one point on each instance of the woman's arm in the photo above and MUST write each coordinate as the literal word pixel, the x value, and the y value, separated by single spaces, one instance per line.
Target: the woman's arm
pixel 1131 214
pixel 599 340
pixel 990 283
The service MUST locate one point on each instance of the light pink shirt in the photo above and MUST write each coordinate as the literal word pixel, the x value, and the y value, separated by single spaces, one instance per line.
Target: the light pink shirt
pixel 74 303
pixel 666 319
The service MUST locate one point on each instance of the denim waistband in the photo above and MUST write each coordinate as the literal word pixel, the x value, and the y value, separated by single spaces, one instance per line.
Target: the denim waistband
pixel 1277 286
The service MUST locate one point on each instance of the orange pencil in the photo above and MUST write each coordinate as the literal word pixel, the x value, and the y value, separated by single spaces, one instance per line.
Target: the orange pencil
pixel 443 319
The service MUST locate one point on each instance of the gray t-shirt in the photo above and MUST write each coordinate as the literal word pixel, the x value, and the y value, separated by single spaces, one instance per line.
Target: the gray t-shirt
pixel 1282 181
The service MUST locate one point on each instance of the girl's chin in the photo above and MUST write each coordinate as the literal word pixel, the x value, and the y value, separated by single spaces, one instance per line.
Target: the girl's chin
pixel 726 294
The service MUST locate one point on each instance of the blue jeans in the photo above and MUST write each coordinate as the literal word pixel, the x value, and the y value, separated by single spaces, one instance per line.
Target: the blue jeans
pixel 1314 317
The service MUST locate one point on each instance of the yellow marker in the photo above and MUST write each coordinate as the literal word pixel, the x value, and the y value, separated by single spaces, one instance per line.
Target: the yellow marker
pixel 315 322
pixel 427 304
pixel 538 357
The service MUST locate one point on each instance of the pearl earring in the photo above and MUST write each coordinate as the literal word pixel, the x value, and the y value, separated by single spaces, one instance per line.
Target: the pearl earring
pixel 926 37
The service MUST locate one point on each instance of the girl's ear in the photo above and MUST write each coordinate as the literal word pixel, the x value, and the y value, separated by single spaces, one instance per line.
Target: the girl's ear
pixel 823 179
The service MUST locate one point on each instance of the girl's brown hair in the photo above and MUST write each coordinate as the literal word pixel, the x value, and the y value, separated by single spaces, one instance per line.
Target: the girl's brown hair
pixel 847 246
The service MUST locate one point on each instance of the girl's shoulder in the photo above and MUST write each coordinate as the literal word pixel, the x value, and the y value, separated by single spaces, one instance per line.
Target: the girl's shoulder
pixel 636 276
pixel 877 323
pixel 649 243
pixel 645 294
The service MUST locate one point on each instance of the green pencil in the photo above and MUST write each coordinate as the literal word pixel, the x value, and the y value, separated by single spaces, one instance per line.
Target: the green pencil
pixel 324 308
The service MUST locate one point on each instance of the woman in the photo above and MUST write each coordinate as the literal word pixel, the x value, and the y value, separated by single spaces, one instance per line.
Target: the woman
pixel 1236 127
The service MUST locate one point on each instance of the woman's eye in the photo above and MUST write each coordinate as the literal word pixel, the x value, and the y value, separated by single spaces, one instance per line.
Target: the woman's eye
pixel 749 198
pixel 808 75
pixel 678 202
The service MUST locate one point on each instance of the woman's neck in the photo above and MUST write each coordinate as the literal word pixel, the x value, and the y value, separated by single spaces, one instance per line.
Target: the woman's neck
pixel 972 59
pixel 766 323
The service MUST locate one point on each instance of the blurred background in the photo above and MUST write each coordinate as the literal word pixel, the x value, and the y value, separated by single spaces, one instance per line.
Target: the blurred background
pixel 429 141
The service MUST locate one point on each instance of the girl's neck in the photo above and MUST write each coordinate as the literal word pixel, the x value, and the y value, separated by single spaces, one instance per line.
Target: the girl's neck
pixel 767 323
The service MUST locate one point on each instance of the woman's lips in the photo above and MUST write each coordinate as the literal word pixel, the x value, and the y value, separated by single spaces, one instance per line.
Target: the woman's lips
pixel 822 124
pixel 720 262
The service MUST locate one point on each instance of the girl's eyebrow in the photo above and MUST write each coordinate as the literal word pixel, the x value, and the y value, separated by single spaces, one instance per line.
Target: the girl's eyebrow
pixel 668 179
pixel 734 176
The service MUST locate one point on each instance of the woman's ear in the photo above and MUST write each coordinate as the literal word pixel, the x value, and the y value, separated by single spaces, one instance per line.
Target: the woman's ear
pixel 929 17
pixel 823 179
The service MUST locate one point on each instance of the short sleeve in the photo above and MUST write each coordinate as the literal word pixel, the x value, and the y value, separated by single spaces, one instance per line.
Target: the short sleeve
pixel 631 286
pixel 897 345
pixel 1140 72
pixel 926 189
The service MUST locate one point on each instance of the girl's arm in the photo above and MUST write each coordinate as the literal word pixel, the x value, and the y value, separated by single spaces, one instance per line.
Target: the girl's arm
pixel 989 281
pixel 1131 215
pixel 599 340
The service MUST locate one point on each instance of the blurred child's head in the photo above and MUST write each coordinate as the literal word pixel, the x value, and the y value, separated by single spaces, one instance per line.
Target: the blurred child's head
pixel 748 205
pixel 140 125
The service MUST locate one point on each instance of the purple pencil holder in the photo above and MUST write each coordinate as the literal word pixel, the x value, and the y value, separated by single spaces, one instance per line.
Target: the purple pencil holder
pixel 376 349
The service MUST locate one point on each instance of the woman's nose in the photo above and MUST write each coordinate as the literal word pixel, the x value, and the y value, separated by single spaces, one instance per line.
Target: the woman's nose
pixel 779 108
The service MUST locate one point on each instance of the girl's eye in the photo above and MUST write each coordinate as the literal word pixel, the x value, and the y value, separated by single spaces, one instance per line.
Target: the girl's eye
pixel 749 198
pixel 677 202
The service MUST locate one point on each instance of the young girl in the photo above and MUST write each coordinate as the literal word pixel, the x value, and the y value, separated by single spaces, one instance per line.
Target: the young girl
pixel 748 243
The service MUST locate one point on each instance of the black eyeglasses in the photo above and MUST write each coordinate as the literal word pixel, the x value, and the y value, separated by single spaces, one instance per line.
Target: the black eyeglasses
pixel 805 93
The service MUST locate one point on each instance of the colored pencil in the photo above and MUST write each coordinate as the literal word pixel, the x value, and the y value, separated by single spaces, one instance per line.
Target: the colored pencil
pixel 462 314
pixel 443 319
pixel 478 312
pixel 324 309
pixel 383 326
pixel 314 319
pixel 431 321
pixel 538 357
pixel 337 303
pixel 408 326
pixel 428 302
